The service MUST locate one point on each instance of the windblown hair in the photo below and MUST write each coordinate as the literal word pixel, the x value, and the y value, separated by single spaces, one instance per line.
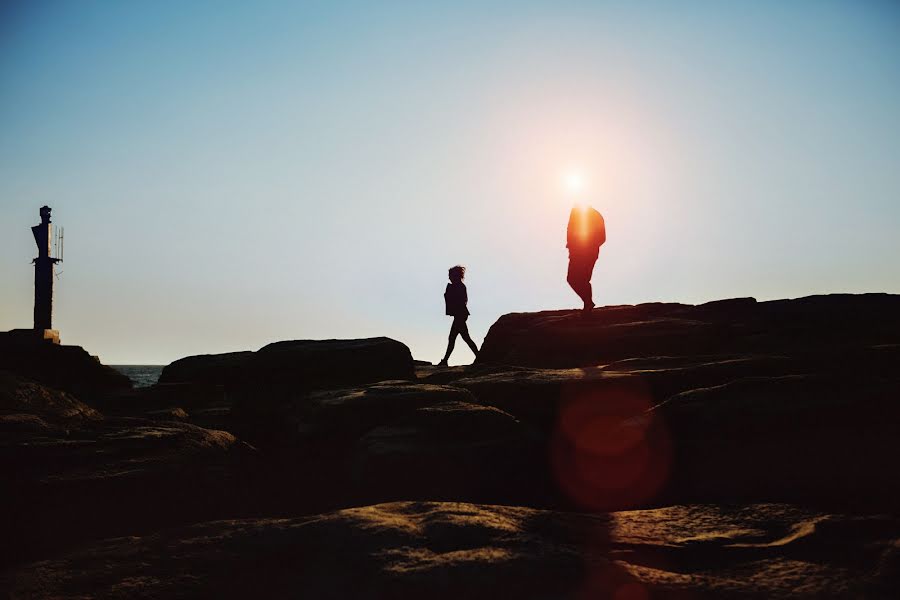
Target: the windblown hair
pixel 457 270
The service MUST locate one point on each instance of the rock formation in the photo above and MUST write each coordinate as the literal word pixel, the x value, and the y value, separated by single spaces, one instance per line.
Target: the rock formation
pixel 302 364
pixel 740 326
pixel 68 368
pixel 735 449
pixel 216 369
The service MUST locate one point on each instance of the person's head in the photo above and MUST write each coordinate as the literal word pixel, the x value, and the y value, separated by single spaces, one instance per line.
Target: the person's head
pixel 456 273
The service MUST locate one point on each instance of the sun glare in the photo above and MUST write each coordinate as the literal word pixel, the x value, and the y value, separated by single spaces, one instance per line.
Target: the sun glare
pixel 574 182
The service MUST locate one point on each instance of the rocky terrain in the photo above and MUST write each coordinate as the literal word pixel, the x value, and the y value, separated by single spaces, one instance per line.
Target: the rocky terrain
pixel 460 550
pixel 732 449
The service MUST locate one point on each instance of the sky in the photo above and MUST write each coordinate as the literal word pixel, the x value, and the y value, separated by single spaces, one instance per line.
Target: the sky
pixel 231 174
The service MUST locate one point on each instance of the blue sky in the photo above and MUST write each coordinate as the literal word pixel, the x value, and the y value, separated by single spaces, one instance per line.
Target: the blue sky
pixel 231 174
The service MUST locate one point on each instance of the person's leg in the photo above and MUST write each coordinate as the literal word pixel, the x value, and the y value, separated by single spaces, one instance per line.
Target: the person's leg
pixel 579 277
pixel 573 277
pixel 588 296
pixel 464 332
pixel 451 341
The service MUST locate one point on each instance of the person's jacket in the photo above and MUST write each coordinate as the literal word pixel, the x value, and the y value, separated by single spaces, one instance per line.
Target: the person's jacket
pixel 455 299
pixel 586 231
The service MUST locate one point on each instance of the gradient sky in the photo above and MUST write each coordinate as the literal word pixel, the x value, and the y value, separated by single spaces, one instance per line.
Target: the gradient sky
pixel 232 174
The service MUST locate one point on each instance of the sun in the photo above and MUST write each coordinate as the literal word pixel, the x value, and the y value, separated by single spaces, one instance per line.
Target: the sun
pixel 574 182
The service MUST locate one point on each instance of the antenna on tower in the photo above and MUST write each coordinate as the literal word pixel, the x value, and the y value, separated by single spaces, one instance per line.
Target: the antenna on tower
pixel 61 248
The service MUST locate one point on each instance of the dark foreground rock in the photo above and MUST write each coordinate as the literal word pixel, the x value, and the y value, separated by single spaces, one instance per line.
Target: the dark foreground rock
pixel 819 438
pixel 206 405
pixel 733 401
pixel 451 550
pixel 815 428
pixel 69 474
pixel 26 401
pixel 396 440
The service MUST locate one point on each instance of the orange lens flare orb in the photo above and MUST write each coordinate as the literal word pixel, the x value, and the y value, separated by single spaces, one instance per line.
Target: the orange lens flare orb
pixel 609 450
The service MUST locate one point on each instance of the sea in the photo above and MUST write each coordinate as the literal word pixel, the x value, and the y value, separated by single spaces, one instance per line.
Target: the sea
pixel 140 375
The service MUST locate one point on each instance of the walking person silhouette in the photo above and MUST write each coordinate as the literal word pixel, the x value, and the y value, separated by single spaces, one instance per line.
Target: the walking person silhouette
pixel 455 299
pixel 585 234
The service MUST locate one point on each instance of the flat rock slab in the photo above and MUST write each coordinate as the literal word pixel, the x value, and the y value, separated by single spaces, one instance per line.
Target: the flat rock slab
pixel 738 326
pixel 206 368
pixel 456 550
pixel 262 381
pixel 302 364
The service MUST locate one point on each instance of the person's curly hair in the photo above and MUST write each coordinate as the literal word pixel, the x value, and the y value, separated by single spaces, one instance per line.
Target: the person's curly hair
pixel 457 270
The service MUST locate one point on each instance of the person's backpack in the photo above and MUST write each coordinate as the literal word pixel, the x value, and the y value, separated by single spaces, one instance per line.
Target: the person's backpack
pixel 598 227
pixel 586 229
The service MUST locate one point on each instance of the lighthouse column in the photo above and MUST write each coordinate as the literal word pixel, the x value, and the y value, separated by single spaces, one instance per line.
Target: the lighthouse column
pixel 43 277
pixel 43 293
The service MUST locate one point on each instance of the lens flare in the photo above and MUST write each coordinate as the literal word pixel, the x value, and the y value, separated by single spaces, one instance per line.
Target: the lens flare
pixel 609 450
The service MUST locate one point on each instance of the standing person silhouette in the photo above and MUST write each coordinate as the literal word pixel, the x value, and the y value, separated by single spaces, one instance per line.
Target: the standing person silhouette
pixel 455 299
pixel 584 236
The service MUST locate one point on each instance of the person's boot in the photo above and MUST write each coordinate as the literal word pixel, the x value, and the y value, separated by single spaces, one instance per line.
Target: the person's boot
pixel 443 363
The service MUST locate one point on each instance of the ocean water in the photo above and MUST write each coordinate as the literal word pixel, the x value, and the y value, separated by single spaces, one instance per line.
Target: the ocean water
pixel 140 375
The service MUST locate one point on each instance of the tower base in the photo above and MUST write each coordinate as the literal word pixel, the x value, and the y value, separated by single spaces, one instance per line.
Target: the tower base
pixel 35 336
